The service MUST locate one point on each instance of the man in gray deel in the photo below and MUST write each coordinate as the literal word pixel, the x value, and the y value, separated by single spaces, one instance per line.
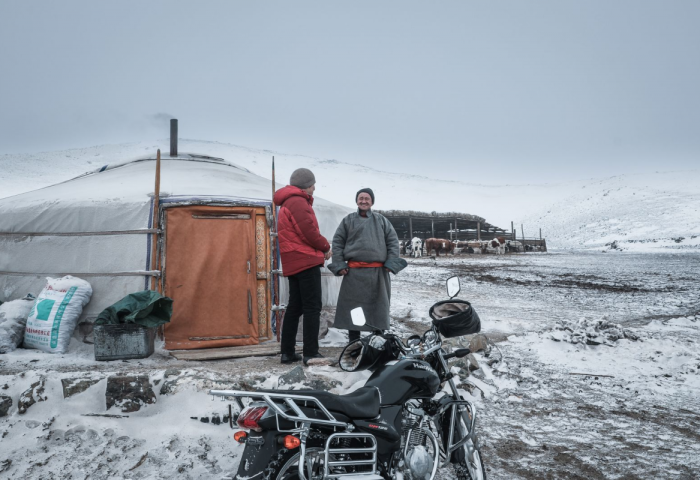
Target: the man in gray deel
pixel 365 250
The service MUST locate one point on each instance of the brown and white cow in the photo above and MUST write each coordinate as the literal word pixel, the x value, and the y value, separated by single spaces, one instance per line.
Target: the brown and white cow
pixel 438 244
pixel 497 246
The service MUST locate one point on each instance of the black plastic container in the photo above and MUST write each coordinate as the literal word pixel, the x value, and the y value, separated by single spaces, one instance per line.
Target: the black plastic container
pixel 123 341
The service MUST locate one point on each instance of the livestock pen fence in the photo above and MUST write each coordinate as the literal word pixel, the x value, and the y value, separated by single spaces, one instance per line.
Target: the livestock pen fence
pixel 521 245
pixel 453 226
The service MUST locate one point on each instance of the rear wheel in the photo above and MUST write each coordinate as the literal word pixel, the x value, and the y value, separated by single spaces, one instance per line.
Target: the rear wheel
pixel 285 465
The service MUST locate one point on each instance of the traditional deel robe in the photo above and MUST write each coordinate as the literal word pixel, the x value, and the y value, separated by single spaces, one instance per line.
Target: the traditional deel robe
pixel 370 239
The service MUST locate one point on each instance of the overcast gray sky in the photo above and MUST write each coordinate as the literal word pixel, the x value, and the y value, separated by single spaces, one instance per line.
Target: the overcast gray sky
pixel 490 91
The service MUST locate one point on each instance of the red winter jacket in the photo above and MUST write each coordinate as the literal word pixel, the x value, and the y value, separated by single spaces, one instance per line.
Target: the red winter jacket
pixel 301 244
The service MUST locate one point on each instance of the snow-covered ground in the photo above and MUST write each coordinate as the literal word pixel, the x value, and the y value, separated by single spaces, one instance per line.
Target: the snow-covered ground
pixel 640 212
pixel 634 415
pixel 596 372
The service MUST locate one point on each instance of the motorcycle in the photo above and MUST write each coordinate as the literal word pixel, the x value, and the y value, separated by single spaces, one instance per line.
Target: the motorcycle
pixel 404 423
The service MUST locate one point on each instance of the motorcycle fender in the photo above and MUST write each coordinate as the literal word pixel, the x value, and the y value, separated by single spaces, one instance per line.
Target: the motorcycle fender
pixel 255 456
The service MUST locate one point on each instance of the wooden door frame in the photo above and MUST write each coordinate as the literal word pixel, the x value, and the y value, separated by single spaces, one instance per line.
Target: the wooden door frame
pixel 263 254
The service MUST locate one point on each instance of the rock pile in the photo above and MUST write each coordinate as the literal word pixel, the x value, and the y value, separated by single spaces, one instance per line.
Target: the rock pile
pixel 129 393
pixel 591 332
pixel 32 395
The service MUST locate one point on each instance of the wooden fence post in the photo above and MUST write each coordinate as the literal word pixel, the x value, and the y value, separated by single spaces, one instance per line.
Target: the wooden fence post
pixel 155 224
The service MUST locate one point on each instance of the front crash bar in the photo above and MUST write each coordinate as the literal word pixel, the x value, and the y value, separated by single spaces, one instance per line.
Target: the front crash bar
pixel 276 400
pixel 452 407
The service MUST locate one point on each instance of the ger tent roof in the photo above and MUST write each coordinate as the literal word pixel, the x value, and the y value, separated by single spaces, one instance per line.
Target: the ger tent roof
pixel 95 225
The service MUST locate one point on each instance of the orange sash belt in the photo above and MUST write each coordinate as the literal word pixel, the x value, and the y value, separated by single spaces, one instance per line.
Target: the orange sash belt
pixel 354 264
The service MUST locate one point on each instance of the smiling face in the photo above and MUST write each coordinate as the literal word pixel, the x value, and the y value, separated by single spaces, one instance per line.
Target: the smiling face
pixel 364 202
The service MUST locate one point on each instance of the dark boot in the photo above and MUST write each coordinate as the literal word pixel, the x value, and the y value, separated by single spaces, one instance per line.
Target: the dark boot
pixel 295 357
pixel 316 359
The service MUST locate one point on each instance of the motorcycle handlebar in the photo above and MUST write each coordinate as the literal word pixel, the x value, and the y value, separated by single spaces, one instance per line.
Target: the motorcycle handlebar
pixel 459 353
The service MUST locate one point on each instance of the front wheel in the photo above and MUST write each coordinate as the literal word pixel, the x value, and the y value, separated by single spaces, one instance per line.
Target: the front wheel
pixel 471 470
pixel 468 467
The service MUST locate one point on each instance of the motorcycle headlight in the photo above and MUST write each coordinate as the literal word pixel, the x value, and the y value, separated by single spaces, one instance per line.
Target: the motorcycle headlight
pixel 430 337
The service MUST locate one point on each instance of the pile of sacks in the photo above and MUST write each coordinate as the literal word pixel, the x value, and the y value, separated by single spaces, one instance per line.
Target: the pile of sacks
pixel 13 318
pixel 591 332
pixel 47 321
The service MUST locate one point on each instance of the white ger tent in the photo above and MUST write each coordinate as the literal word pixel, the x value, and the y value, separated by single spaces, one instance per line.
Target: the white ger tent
pixel 213 254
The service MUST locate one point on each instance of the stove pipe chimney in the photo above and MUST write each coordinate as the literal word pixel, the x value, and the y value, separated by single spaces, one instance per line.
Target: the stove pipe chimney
pixel 173 137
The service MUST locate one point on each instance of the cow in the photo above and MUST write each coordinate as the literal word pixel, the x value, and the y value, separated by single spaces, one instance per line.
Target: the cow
pixel 514 246
pixel 438 244
pixel 461 246
pixel 417 247
pixel 501 245
pixel 497 246
pixel 469 247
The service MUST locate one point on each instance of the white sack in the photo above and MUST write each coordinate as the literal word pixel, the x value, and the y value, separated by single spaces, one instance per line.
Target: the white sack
pixel 55 314
pixel 13 318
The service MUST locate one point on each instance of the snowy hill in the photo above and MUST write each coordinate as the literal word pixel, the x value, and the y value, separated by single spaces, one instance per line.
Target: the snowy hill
pixel 638 212
pixel 627 212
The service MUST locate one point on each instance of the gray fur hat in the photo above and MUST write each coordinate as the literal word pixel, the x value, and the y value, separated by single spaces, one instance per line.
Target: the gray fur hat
pixel 367 191
pixel 302 178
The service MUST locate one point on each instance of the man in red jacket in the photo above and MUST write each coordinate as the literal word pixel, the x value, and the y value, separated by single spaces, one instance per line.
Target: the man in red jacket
pixel 303 250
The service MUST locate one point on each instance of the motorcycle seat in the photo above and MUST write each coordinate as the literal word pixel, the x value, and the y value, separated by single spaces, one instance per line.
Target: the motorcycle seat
pixel 363 403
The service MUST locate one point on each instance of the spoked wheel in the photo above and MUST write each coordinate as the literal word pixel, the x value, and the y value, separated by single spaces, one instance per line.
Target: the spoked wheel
pixel 470 465
pixel 285 465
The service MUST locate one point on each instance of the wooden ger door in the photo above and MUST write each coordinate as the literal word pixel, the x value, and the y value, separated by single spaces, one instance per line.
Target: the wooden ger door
pixel 212 274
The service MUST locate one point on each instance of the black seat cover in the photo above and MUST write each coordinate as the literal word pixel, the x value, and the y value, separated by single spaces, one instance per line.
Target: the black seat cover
pixel 363 403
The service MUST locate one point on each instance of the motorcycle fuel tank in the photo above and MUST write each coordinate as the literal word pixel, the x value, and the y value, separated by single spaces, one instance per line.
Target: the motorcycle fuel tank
pixel 398 381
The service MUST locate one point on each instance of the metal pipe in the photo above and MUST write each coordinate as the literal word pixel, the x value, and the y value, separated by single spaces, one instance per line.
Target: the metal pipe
pixel 135 273
pixel 173 137
pixel 275 271
pixel 80 234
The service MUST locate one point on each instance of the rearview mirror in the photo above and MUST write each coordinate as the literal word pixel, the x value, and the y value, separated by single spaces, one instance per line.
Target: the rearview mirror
pixel 413 341
pixel 358 316
pixel 453 286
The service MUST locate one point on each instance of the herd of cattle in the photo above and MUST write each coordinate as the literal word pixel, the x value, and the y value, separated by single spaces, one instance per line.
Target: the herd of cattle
pixel 498 245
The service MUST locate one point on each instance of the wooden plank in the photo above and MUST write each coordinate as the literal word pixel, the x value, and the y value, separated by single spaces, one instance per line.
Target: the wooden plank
pixel 265 349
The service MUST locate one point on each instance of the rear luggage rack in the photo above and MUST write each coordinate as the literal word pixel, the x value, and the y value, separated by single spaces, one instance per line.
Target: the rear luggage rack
pixel 281 403
pixel 367 462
